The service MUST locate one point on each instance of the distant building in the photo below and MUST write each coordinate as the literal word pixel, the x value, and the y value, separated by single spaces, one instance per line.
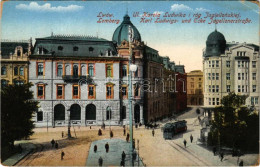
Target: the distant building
pixel 195 88
pixel 230 67
pixel 14 61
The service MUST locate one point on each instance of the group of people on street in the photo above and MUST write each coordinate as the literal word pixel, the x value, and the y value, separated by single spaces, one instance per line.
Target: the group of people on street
pixel 54 144
pixel 185 142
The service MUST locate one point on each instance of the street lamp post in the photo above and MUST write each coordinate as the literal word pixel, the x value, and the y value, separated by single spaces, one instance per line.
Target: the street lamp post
pixel 132 68
pixel 69 134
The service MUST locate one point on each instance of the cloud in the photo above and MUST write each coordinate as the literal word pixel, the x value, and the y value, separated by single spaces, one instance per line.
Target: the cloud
pixel 182 7
pixel 34 6
pixel 179 7
pixel 158 12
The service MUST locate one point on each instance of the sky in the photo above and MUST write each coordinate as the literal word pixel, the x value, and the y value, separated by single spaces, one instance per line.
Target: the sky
pixel 182 42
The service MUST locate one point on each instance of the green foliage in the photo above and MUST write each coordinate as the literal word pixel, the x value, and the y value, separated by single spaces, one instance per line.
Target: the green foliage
pixel 16 113
pixel 234 125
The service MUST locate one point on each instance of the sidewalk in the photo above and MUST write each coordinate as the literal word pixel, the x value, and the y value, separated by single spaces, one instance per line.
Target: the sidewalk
pixel 113 157
pixel 14 159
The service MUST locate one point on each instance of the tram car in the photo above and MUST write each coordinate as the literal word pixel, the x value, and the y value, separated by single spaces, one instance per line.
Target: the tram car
pixel 170 129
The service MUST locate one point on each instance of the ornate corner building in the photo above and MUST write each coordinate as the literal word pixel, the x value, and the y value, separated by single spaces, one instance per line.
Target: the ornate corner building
pixel 230 67
pixel 195 88
pixel 15 61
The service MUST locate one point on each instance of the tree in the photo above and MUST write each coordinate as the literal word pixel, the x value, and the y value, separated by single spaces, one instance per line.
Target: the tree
pixel 17 108
pixel 234 125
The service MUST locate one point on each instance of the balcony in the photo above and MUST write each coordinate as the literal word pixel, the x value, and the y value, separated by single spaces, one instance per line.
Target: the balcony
pixel 73 78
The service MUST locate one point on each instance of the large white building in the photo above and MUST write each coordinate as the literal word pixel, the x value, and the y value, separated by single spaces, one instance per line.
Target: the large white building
pixel 230 67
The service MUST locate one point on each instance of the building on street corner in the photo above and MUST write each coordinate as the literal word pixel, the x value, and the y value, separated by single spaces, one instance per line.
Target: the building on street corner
pixel 195 88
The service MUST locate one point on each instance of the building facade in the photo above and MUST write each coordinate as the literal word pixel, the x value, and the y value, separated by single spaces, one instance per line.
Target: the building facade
pixel 14 61
pixel 230 67
pixel 195 88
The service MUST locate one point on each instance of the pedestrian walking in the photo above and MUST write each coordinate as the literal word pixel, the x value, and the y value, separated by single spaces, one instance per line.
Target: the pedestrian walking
pixel 136 125
pixel 191 138
pixel 89 127
pixel 124 131
pixel 56 145
pixel 153 132
pixel 95 148
pixel 107 147
pixel 214 150
pixel 123 156
pixel 241 163
pixel 100 161
pixel 221 156
pixel 62 134
pixel 127 137
pixel 99 132
pixel 111 134
pixel 184 142
pixel 62 155
pixel 52 143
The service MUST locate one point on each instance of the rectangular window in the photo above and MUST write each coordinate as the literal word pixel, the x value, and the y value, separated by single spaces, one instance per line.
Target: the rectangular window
pixel 75 91
pixel 110 92
pixel 228 88
pixel 238 64
pixel 217 88
pixel 213 63
pixel 228 76
pixel 209 63
pixel 209 88
pixel 254 100
pixel 238 88
pixel 242 64
pixel 243 88
pixel 40 91
pixel 91 70
pixel 21 71
pixel 254 76
pixel 213 101
pixel 213 88
pixel 254 88
pixel 217 76
pixel 91 92
pixel 239 76
pixel 60 91
pixel 213 76
pixel 253 64
pixel 124 92
pixel 137 72
pixel 227 63
pixel 59 70
pixel 209 101
pixel 109 70
pixel 209 78
pixel 217 101
pixel 192 84
pixel 136 90
pixel 40 69
pixel 124 70
pixel 246 76
pixel 243 76
pixel 217 63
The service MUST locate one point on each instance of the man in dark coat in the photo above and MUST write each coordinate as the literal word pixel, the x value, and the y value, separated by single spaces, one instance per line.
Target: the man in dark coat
pixel 127 137
pixel 124 131
pixel 123 156
pixel 191 138
pixel 99 132
pixel 153 132
pixel 62 155
pixel 100 161
pixel 52 143
pixel 56 145
pixel 221 156
pixel 241 163
pixel 214 150
pixel 107 147
pixel 95 148
pixel 111 134
pixel 185 142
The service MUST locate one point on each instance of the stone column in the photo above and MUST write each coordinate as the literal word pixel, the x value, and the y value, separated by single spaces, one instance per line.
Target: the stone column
pixel 83 115
pixel 141 114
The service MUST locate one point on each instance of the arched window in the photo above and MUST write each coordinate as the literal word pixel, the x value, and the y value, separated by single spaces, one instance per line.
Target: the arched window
pixel 75 70
pixel 59 112
pixel 75 48
pixel 124 70
pixel 109 113
pixel 21 71
pixel 91 112
pixel 75 111
pixel 90 49
pixel 59 70
pixel 3 70
pixel 123 112
pixel 39 116
pixel 15 70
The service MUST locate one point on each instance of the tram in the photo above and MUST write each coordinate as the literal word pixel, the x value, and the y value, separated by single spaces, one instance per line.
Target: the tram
pixel 170 129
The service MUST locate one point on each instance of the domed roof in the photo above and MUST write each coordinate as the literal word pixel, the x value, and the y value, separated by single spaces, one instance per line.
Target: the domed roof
pixel 121 32
pixel 215 44
pixel 216 36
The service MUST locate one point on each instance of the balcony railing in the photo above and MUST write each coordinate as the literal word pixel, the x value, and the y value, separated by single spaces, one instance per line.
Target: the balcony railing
pixel 73 78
